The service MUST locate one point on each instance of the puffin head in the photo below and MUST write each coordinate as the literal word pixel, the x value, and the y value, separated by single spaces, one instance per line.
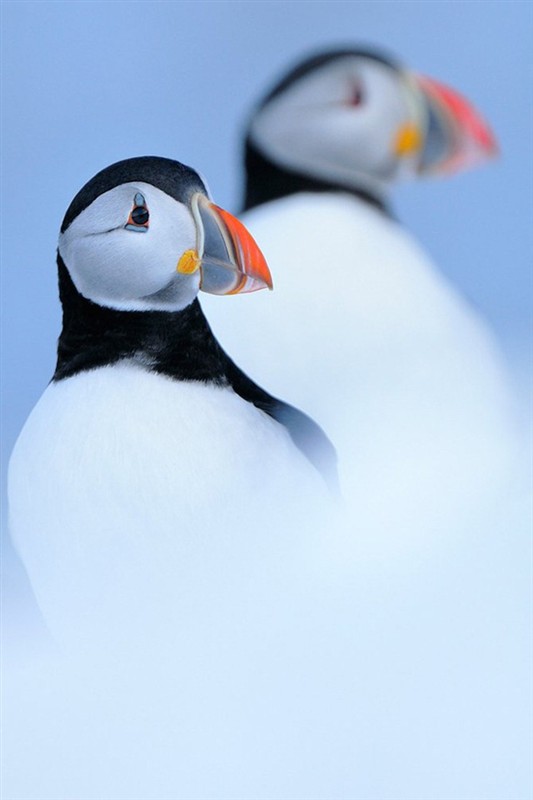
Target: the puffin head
pixel 360 119
pixel 144 235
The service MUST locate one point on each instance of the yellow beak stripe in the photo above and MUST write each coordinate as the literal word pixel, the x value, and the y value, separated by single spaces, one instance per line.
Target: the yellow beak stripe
pixel 408 140
pixel 188 263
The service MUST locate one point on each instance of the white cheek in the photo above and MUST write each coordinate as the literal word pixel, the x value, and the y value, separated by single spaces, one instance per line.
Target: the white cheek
pixel 121 264
pixel 121 267
pixel 312 129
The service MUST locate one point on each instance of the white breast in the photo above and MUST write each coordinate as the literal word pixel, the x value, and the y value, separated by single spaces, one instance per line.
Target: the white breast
pixel 363 333
pixel 124 482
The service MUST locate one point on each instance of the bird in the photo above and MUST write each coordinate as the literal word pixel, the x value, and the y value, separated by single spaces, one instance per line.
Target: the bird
pixel 364 331
pixel 150 449
pixel 220 644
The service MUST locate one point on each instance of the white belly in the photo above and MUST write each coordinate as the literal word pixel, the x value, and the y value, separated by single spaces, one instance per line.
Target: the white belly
pixel 124 482
pixel 364 334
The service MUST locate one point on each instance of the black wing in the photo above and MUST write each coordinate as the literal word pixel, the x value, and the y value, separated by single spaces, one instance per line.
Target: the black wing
pixel 308 437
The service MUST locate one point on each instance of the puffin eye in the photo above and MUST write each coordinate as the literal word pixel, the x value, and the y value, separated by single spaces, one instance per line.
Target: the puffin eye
pixel 356 95
pixel 139 217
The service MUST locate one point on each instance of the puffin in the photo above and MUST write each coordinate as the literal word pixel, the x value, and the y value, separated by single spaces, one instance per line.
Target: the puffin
pixel 364 332
pixel 150 450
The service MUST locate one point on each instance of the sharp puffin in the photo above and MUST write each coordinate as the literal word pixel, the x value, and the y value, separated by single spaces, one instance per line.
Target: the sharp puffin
pixel 363 331
pixel 149 439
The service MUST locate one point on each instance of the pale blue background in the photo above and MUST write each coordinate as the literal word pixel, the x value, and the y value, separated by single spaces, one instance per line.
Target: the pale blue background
pixel 88 83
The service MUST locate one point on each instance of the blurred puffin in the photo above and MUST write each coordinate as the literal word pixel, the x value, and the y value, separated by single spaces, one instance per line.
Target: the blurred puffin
pixel 149 438
pixel 363 332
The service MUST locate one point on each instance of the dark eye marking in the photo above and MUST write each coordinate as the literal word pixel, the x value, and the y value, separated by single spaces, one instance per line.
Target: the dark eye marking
pixel 139 218
pixel 356 97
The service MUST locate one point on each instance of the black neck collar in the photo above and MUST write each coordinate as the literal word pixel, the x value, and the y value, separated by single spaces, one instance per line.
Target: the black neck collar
pixel 177 344
pixel 266 181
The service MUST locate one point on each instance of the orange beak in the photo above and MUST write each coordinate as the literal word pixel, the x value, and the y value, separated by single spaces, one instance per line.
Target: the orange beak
pixel 228 257
pixel 457 136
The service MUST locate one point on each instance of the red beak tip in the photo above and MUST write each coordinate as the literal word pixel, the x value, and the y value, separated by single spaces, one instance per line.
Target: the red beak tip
pixel 474 139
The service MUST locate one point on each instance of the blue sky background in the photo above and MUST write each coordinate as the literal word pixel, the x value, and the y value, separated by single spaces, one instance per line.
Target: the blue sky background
pixel 88 83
